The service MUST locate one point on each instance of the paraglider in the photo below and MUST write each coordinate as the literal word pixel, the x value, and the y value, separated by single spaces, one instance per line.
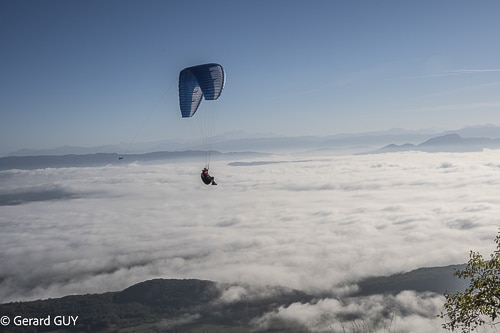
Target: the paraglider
pixel 196 83
pixel 206 178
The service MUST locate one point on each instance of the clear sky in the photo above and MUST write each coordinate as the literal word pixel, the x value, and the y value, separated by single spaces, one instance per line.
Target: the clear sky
pixel 89 73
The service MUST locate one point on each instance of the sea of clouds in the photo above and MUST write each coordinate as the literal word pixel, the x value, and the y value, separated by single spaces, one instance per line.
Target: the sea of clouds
pixel 313 223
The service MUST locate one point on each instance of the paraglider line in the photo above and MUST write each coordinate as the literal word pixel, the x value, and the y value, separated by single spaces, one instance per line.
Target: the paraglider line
pixel 147 117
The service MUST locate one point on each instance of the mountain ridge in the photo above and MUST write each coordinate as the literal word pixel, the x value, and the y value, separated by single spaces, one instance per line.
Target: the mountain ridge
pixel 102 159
pixel 265 142
pixel 451 142
pixel 189 303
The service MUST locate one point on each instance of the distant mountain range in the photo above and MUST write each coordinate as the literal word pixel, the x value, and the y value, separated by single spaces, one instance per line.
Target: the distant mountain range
pixel 197 305
pixel 101 159
pixel 445 143
pixel 240 141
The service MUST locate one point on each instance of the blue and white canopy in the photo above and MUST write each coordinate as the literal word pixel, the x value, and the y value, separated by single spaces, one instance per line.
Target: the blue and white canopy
pixel 197 82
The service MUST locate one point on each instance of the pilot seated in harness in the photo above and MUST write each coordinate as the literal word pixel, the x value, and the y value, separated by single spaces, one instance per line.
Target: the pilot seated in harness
pixel 206 178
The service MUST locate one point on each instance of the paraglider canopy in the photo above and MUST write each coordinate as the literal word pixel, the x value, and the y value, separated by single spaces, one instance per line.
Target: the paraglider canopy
pixel 197 82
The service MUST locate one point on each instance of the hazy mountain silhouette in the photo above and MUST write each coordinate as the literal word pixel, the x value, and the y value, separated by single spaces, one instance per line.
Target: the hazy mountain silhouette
pixel 452 142
pixel 101 159
pixel 435 279
pixel 241 141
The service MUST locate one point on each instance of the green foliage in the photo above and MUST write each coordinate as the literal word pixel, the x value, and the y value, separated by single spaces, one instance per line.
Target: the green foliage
pixel 479 304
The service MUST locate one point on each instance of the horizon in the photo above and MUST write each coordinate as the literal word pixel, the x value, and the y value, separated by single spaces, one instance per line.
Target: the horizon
pixel 94 73
pixel 125 148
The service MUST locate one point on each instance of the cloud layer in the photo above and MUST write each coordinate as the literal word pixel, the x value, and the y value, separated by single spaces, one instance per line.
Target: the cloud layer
pixel 318 225
pixel 405 312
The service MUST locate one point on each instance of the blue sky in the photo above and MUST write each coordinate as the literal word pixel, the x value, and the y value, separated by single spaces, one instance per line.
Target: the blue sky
pixel 90 73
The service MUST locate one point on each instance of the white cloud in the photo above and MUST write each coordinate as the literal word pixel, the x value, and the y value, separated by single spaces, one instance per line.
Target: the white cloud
pixel 233 294
pixel 405 312
pixel 471 71
pixel 315 226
